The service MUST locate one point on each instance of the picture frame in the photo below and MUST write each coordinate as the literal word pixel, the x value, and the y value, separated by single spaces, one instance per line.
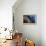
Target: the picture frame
pixel 29 19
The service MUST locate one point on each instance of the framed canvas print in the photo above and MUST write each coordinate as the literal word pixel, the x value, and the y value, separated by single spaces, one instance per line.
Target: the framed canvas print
pixel 29 18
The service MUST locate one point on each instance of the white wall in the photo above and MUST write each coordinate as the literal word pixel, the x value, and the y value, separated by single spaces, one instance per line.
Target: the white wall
pixel 6 13
pixel 43 22
pixel 30 31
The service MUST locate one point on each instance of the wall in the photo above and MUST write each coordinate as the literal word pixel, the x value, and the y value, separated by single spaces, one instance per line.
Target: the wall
pixel 6 13
pixel 30 31
pixel 43 22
